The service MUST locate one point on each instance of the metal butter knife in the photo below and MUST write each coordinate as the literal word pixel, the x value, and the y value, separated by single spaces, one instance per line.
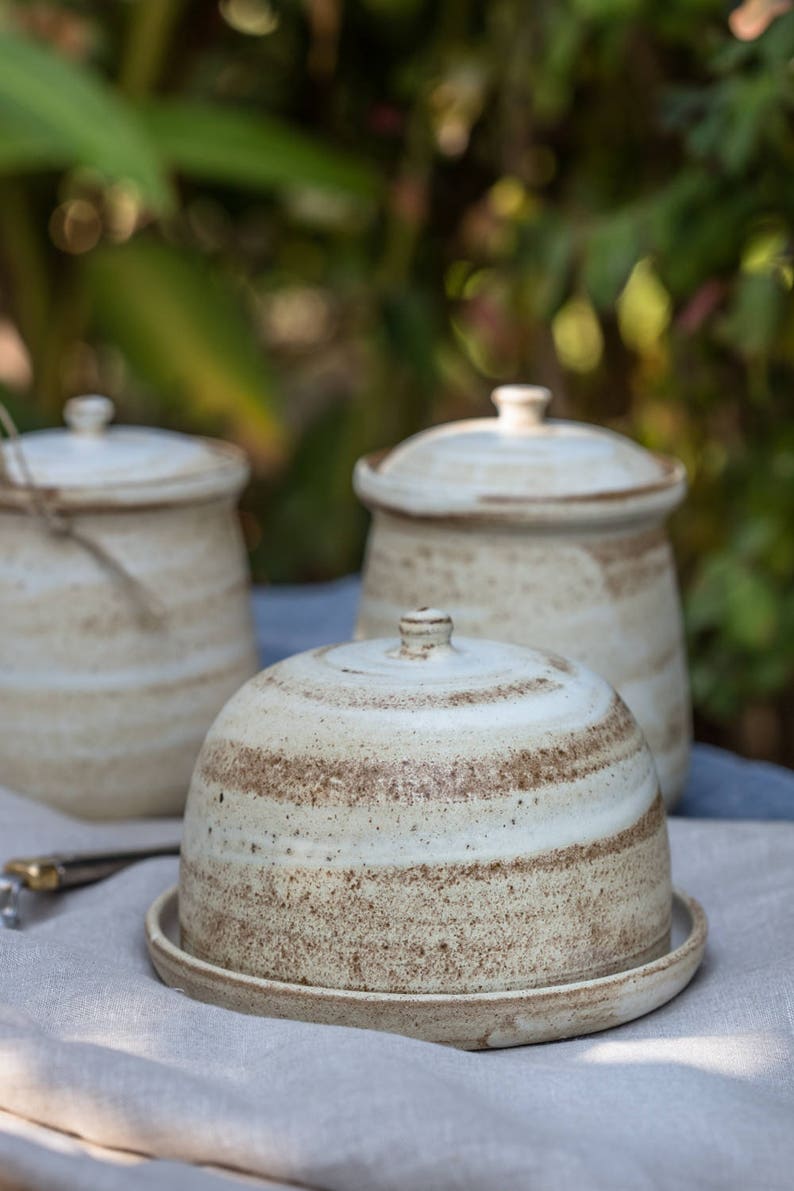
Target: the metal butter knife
pixel 64 870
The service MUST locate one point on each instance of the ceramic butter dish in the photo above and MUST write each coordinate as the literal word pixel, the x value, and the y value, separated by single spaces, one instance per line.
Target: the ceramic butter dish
pixel 428 834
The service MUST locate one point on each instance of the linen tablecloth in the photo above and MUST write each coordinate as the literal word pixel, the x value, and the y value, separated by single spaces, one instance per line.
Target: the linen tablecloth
pixel 111 1080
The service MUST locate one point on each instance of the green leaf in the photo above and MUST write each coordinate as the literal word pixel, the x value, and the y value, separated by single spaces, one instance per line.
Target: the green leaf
pixel 612 252
pixel 756 313
pixel 751 611
pixel 54 113
pixel 705 604
pixel 24 149
pixel 222 144
pixel 716 683
pixel 732 119
pixel 182 331
pixel 545 257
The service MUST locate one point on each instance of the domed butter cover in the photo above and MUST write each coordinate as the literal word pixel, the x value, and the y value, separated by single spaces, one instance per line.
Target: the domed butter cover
pixel 519 465
pixel 425 814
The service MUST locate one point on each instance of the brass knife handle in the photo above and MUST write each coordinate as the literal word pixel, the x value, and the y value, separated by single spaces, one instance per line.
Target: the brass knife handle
pixel 63 870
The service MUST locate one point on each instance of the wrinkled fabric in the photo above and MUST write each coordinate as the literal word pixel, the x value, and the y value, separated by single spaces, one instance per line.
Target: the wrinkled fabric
pixel 698 1094
pixel 111 1080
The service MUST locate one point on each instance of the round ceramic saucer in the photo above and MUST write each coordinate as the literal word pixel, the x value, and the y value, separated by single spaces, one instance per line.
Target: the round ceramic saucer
pixel 473 1021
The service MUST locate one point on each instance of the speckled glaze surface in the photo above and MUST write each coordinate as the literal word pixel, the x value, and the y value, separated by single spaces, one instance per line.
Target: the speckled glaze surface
pixel 102 715
pixel 425 815
pixel 539 532
pixel 476 1021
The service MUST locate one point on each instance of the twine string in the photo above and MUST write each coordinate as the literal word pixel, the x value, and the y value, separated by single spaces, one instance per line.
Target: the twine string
pixel 44 507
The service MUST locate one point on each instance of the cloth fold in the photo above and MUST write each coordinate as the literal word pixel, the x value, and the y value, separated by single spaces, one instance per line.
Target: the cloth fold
pixel 699 1094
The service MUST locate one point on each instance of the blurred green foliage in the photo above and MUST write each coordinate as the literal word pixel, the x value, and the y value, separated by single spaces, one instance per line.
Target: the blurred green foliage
pixel 316 227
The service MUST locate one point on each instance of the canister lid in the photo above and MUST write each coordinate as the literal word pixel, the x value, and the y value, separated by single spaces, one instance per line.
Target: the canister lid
pixel 520 465
pixel 92 463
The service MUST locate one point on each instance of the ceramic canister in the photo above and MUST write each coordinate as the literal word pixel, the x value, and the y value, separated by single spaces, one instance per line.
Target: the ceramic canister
pixel 539 532
pixel 425 814
pixel 125 612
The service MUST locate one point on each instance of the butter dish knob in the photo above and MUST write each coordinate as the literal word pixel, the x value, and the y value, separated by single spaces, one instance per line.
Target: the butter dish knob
pixel 424 634
pixel 88 415
pixel 520 407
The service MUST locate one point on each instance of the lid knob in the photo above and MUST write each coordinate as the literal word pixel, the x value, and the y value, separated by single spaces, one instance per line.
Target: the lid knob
pixel 425 634
pixel 88 415
pixel 521 407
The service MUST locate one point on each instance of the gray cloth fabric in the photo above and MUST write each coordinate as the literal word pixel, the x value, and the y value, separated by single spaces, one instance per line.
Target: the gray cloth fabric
pixel 697 1095
pixel 723 786
pixel 289 619
pixel 111 1080
pixel 32 1156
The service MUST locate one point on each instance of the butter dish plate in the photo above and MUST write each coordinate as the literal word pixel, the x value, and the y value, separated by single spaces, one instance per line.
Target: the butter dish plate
pixel 471 1021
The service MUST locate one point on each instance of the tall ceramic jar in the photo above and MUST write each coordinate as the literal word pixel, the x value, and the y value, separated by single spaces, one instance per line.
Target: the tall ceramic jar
pixel 125 612
pixel 539 532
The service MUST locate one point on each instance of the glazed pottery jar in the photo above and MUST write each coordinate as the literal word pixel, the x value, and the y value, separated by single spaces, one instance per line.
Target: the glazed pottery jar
pixel 428 814
pixel 539 532
pixel 124 605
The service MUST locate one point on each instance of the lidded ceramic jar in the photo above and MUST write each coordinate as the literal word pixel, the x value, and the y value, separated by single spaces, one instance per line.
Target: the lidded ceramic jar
pixel 428 814
pixel 125 611
pixel 539 531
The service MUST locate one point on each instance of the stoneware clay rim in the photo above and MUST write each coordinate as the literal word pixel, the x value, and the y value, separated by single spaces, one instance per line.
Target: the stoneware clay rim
pixel 225 478
pixel 473 1021
pixel 379 492
pixel 93 466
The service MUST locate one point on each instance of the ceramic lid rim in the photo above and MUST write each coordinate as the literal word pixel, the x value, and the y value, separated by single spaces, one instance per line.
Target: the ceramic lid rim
pixel 384 491
pixel 226 472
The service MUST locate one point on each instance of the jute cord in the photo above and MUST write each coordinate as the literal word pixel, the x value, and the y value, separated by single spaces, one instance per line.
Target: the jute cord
pixel 45 508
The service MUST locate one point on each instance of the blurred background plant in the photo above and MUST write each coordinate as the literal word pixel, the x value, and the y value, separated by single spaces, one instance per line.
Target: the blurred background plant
pixel 315 226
